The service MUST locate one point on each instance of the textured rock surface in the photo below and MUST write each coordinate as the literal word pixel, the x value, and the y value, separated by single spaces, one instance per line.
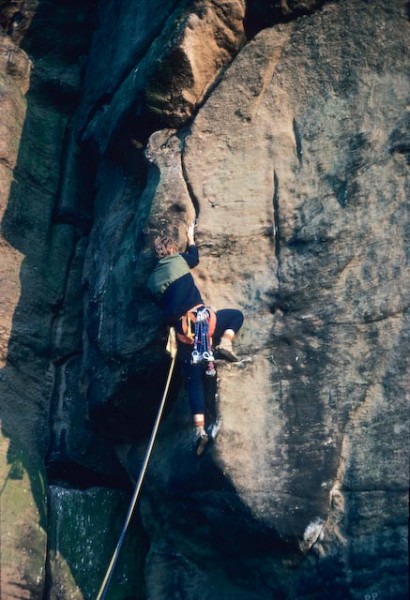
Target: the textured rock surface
pixel 261 14
pixel 15 72
pixel 81 542
pixel 22 497
pixel 22 518
pixel 282 164
pixel 16 17
pixel 336 313
pixel 38 267
pixel 171 78
pixel 294 157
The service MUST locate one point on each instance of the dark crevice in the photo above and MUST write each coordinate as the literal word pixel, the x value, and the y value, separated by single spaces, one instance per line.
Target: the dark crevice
pixel 298 141
pixel 311 245
pixel 278 302
pixel 261 14
pixel 58 306
pixel 129 414
pixel 399 139
pixel 276 216
pixel 6 163
pixel 97 107
pixel 58 362
pixel 134 61
pixel 58 94
pixel 340 189
pixel 134 130
pixel 28 179
pixel 140 120
pixel 76 188
pixel 194 199
pixel 64 473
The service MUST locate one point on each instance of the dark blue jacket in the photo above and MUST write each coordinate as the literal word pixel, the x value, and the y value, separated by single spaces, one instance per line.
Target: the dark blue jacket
pixel 172 285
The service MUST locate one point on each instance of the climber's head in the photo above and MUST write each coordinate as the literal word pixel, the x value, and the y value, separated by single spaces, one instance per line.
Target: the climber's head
pixel 165 246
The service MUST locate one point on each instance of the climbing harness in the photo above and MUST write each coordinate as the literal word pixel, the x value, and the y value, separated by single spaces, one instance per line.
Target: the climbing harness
pixel 172 350
pixel 198 326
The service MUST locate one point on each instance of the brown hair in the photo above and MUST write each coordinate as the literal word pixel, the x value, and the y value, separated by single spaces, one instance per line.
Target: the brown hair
pixel 164 246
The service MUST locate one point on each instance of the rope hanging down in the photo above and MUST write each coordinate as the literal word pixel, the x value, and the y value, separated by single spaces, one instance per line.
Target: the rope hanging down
pixel 172 350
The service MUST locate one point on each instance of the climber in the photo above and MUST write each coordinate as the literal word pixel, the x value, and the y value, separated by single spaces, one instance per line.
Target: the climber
pixel 173 288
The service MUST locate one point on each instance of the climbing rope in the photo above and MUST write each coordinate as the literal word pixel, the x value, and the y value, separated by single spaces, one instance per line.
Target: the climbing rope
pixel 172 350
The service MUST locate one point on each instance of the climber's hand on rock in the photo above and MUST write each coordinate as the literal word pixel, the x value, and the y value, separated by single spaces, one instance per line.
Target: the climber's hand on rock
pixel 191 233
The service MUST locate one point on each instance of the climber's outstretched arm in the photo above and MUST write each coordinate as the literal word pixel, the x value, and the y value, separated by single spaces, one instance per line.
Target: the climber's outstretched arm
pixel 191 255
pixel 191 233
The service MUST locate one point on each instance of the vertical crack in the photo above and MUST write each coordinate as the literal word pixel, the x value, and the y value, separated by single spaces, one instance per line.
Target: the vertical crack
pixel 194 199
pixel 298 141
pixel 58 307
pixel 276 232
pixel 191 193
pixel 47 560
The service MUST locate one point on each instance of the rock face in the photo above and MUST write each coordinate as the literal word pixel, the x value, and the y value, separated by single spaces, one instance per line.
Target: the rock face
pixel 283 127
pixel 72 555
pixel 22 508
pixel 296 159
pixel 41 263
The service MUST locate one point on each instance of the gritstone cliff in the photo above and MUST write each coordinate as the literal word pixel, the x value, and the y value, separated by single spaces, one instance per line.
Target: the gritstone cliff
pixel 284 127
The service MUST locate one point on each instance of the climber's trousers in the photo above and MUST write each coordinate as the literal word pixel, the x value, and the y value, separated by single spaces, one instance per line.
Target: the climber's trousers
pixel 227 318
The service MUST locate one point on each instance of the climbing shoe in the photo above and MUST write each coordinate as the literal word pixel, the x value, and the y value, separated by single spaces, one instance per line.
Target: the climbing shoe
pixel 201 442
pixel 225 350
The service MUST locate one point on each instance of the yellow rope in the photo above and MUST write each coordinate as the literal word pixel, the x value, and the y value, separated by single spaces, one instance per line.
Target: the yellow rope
pixel 172 350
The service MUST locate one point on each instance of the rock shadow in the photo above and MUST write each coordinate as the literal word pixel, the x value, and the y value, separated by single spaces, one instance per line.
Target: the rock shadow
pixel 43 246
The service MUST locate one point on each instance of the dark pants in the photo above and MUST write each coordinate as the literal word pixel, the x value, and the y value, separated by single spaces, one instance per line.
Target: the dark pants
pixel 227 318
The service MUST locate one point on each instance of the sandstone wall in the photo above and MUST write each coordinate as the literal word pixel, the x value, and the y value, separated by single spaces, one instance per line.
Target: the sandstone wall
pixel 283 127
pixel 40 328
